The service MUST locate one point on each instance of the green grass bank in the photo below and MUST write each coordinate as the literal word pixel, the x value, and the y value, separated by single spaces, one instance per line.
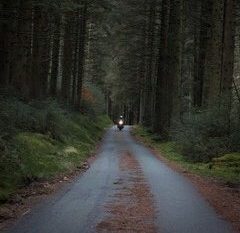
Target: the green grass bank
pixel 225 168
pixel 41 140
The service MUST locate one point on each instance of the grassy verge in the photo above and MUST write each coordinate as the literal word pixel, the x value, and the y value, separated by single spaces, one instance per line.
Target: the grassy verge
pixel 225 168
pixel 61 146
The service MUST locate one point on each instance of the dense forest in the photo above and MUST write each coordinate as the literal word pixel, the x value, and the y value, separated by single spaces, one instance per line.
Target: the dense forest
pixel 175 69
pixel 172 66
pixel 52 94
pixel 70 68
pixel 45 47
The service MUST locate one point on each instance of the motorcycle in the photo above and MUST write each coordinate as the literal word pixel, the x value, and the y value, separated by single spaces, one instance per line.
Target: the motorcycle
pixel 120 125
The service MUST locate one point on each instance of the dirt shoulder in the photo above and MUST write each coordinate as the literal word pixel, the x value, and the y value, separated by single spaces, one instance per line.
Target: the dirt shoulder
pixel 224 198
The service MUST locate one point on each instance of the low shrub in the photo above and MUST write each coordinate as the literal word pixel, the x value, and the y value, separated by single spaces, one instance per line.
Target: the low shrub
pixel 207 134
pixel 41 139
pixel 226 168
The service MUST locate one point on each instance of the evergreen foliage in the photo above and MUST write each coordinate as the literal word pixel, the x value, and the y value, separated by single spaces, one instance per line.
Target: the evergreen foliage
pixel 170 65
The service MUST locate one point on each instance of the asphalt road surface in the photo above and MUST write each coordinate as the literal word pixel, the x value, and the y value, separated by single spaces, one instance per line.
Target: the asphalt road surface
pixel 79 207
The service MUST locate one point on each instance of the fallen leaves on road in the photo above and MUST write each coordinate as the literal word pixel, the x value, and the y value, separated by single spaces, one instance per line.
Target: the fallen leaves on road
pixel 131 209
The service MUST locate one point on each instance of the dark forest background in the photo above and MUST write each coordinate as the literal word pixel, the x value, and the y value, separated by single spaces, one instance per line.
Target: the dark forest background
pixel 172 66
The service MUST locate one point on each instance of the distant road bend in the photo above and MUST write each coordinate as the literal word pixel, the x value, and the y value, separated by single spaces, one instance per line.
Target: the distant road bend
pixel 112 196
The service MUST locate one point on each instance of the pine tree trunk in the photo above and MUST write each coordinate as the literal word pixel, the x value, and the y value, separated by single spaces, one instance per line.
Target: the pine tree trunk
pixel 21 71
pixel 161 108
pixel 67 58
pixel 200 55
pixel 142 74
pixel 81 58
pixel 213 64
pixel 76 56
pixel 7 40
pixel 55 56
pixel 149 64
pixel 228 51
pixel 174 59
pixel 40 54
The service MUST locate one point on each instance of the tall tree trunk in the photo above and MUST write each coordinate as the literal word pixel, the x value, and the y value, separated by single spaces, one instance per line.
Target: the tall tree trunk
pixel 7 39
pixel 161 113
pixel 76 56
pixel 81 58
pixel 149 64
pixel 174 59
pixel 228 51
pixel 201 51
pixel 227 59
pixel 21 71
pixel 213 64
pixel 55 56
pixel 41 55
pixel 142 73
pixel 67 58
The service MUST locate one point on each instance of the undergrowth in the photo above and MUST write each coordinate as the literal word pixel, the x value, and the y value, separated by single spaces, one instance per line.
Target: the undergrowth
pixel 207 134
pixel 39 140
pixel 225 167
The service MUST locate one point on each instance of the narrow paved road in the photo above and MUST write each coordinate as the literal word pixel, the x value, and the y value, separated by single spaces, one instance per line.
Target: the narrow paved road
pixel 81 206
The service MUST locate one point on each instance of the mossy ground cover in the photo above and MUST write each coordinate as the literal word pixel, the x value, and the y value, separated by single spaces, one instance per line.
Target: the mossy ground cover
pixel 225 168
pixel 31 155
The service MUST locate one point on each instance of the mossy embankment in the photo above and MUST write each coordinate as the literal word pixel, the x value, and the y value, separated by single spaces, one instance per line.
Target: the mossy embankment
pixel 41 140
pixel 225 167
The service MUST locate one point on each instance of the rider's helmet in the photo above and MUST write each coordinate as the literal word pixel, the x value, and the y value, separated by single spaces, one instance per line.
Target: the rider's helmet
pixel 121 117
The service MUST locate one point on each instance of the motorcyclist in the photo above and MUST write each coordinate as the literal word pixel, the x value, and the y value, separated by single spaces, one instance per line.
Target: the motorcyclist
pixel 120 123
